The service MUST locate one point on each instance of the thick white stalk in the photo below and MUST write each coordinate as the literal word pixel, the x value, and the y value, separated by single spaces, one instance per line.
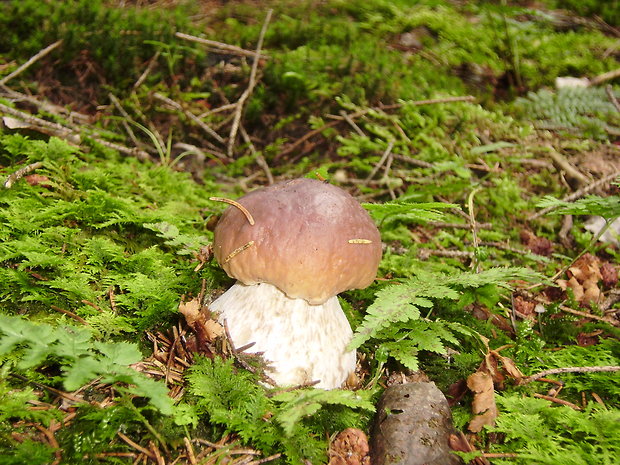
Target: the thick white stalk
pixel 302 342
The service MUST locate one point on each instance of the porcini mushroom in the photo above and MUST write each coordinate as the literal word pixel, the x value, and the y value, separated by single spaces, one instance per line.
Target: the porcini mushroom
pixel 293 247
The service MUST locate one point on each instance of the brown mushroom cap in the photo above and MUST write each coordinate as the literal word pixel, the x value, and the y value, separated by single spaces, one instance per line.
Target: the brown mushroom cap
pixel 312 240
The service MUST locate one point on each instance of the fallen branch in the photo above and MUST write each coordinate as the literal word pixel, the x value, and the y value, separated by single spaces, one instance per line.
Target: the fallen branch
pixel 578 193
pixel 246 94
pixel 204 126
pixel 357 114
pixel 384 157
pixel 608 76
pixel 30 62
pixel 225 48
pixel 137 446
pixel 571 172
pixel 610 93
pixel 260 159
pixel 70 135
pixel 555 371
pixel 20 173
pixel 48 107
pixel 557 401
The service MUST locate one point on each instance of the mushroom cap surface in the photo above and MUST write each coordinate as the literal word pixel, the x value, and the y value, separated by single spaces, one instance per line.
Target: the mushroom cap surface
pixel 311 240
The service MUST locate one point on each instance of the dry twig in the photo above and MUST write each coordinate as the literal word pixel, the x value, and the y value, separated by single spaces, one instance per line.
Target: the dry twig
pixel 30 62
pixel 555 371
pixel 20 173
pixel 610 93
pixel 608 76
pixel 220 47
pixel 204 126
pixel 557 401
pixel 384 157
pixel 246 94
pixel 579 193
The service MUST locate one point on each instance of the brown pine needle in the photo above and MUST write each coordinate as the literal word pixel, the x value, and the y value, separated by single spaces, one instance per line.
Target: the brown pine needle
pixel 238 250
pixel 360 241
pixel 244 210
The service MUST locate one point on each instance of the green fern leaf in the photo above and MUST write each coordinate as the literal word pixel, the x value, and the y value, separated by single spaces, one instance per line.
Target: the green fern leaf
pixel 303 403
pixel 407 211
pixel 402 302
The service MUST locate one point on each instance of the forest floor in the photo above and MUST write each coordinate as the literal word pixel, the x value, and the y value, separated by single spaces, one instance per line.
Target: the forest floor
pixel 482 137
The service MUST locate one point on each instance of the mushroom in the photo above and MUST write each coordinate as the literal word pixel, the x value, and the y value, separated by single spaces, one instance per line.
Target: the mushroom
pixel 293 247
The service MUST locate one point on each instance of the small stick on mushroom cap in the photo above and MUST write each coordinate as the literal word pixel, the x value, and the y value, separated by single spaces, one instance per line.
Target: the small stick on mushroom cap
pixel 247 214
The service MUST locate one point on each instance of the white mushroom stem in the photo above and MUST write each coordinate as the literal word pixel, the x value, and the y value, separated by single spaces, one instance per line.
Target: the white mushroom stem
pixel 301 342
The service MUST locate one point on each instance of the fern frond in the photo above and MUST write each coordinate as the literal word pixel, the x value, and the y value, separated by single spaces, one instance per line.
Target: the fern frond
pixel 607 207
pixel 402 302
pixel 407 211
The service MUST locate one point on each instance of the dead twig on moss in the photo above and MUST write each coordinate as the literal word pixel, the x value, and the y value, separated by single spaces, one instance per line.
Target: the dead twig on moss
pixel 204 126
pixel 20 173
pixel 260 159
pixel 147 71
pixel 610 93
pixel 557 401
pixel 30 61
pixel 69 115
pixel 70 135
pixel 608 76
pixel 384 157
pixel 562 164
pixel 578 193
pixel 137 446
pixel 340 118
pixel 555 371
pixel 349 120
pixel 126 118
pixel 248 91
pixel 220 47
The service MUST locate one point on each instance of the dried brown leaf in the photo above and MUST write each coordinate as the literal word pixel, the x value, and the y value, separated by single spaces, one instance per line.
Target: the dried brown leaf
pixel 483 405
pixel 511 369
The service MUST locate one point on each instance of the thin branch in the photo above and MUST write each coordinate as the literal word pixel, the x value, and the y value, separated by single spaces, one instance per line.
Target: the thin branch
pixel 608 76
pixel 125 115
pixel 573 173
pixel 227 48
pixel 357 114
pixel 557 401
pixel 260 159
pixel 70 314
pixel 246 94
pixel 147 71
pixel 610 93
pixel 305 137
pixel 15 96
pixel 266 459
pixel 20 173
pixel 349 120
pixel 460 98
pixel 578 194
pixel 555 371
pixel 136 446
pixel 204 126
pixel 30 62
pixel 70 135
pixel 384 157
